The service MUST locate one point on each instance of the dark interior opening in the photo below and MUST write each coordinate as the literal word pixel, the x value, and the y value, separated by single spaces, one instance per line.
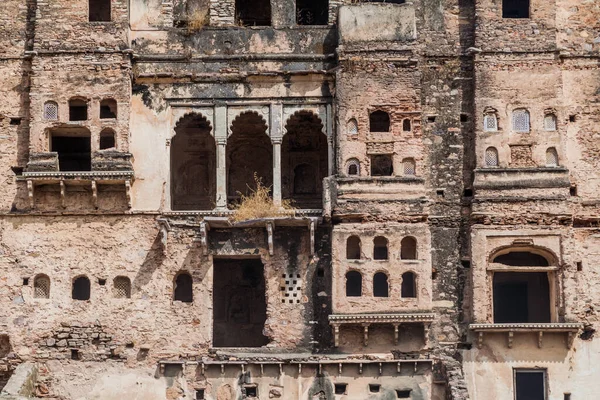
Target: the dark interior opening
pixel 403 394
pixel 384 1
pixel 522 259
pixel 108 109
pixel 193 165
pixel 5 346
pixel 530 385
pixel 353 248
pixel 340 388
pixel 408 248
pixel 312 12
pixel 382 165
pixel 99 10
pixel 521 297
pixel 374 387
pixel 107 139
pixel 353 284
pixel 184 288
pixel 75 354
pixel 515 8
pixel 200 394
pixel 240 308
pixel 78 110
pixel 251 392
pixel 81 288
pixel 253 13
pixel 380 248
pixel 249 156
pixel 353 169
pixel 406 125
pixel 74 152
pixel 379 121
pixel 380 285
pixel 408 288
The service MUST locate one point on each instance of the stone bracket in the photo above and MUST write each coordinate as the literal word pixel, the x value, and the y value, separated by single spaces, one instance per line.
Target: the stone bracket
pixel 570 329
pixel 270 227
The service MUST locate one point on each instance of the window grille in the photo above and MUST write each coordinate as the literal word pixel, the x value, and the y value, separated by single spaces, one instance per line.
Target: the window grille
pixel 122 287
pixel 291 288
pixel 521 121
pixel 41 287
pixel 550 122
pixel 51 111
pixel 409 167
pixel 352 127
pixel 551 157
pixel 353 167
pixel 491 157
pixel 490 123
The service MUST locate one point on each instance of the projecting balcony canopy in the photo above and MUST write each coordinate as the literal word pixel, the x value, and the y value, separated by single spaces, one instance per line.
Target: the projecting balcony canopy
pixel 510 329
pixel 521 178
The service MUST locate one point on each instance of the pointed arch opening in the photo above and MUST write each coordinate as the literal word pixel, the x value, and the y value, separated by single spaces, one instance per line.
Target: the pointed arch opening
pixel 409 285
pixel 304 160
pixel 353 248
pixel 81 288
pixel 41 287
pixel 249 156
pixel 193 165
pixel 380 248
pixel 353 284
pixel 408 248
pixel 183 288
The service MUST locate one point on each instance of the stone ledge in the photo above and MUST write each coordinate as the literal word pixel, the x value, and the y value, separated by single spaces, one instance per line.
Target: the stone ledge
pixel 521 178
pixel 380 318
pixel 510 329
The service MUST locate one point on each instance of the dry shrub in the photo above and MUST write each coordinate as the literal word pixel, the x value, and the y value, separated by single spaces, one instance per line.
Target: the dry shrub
pixel 197 20
pixel 259 204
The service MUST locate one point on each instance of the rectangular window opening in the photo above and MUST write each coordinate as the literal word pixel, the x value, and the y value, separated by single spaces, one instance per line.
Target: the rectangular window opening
pixel 515 8
pixel 99 10
pixel 251 392
pixel 341 388
pixel 200 394
pixel 74 152
pixel 75 354
pixel 374 387
pixel 403 394
pixel 530 384
pixel 253 13
pixel 312 12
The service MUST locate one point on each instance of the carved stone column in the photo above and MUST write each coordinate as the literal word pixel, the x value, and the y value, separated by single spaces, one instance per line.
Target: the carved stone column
pixel 221 140
pixel 276 134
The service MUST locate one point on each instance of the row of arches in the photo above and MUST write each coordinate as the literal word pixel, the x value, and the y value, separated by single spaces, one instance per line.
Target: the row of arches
pixel 78 109
pixel 81 287
pixel 520 121
pixel 379 121
pixel 408 248
pixel 382 165
pixel 491 158
pixel 248 159
pixel 381 287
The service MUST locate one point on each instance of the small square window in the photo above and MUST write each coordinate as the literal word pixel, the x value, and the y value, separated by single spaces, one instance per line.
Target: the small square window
pixel 200 394
pixel 341 388
pixel 251 392
pixel 25 281
pixel 403 394
pixel 374 388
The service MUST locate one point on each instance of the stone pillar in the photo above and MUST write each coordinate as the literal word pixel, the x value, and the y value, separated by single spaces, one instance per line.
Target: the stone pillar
pixel 276 133
pixel 221 140
pixel 330 144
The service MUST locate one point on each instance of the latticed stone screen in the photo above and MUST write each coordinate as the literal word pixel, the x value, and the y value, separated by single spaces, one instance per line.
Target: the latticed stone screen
pixel 41 287
pixel 550 122
pixel 490 123
pixel 551 157
pixel 491 157
pixel 521 121
pixel 291 288
pixel 51 111
pixel 409 167
pixel 352 127
pixel 122 287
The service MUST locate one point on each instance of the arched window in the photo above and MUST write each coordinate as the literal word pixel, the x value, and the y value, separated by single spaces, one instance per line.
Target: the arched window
pixel 409 167
pixel 491 157
pixel 409 287
pixel 520 120
pixel 353 284
pixel 81 288
pixel 379 121
pixel 108 109
pixel 183 288
pixel 550 122
pixel 520 258
pixel 122 287
pixel 406 125
pixel 408 248
pixel 380 285
pixel 99 10
pixel 380 248
pixel 551 157
pixel 352 127
pixel 107 139
pixel 353 167
pixel 353 248
pixel 51 111
pixel 41 287
pixel 490 122
pixel 78 110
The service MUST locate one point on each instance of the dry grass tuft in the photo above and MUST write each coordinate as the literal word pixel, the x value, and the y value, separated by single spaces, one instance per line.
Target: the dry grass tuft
pixel 197 20
pixel 259 204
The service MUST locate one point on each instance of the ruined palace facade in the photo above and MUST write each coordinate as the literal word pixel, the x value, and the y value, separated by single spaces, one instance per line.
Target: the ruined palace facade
pixel 441 158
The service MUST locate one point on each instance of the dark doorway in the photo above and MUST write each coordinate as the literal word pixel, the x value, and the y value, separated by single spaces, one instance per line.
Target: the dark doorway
pixel 193 165
pixel 239 303
pixel 530 385
pixel 183 290
pixel 409 285
pixel 253 12
pixel 353 284
pixel 312 12
pixel 521 297
pixel 382 165
pixel 74 152
pixel 99 10
pixel 81 289
pixel 515 8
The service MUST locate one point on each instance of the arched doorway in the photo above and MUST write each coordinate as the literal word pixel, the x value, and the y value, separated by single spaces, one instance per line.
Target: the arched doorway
pixel 304 160
pixel 193 165
pixel 249 155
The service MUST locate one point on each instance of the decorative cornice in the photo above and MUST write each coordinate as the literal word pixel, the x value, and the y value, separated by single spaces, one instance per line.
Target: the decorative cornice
pixel 380 318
